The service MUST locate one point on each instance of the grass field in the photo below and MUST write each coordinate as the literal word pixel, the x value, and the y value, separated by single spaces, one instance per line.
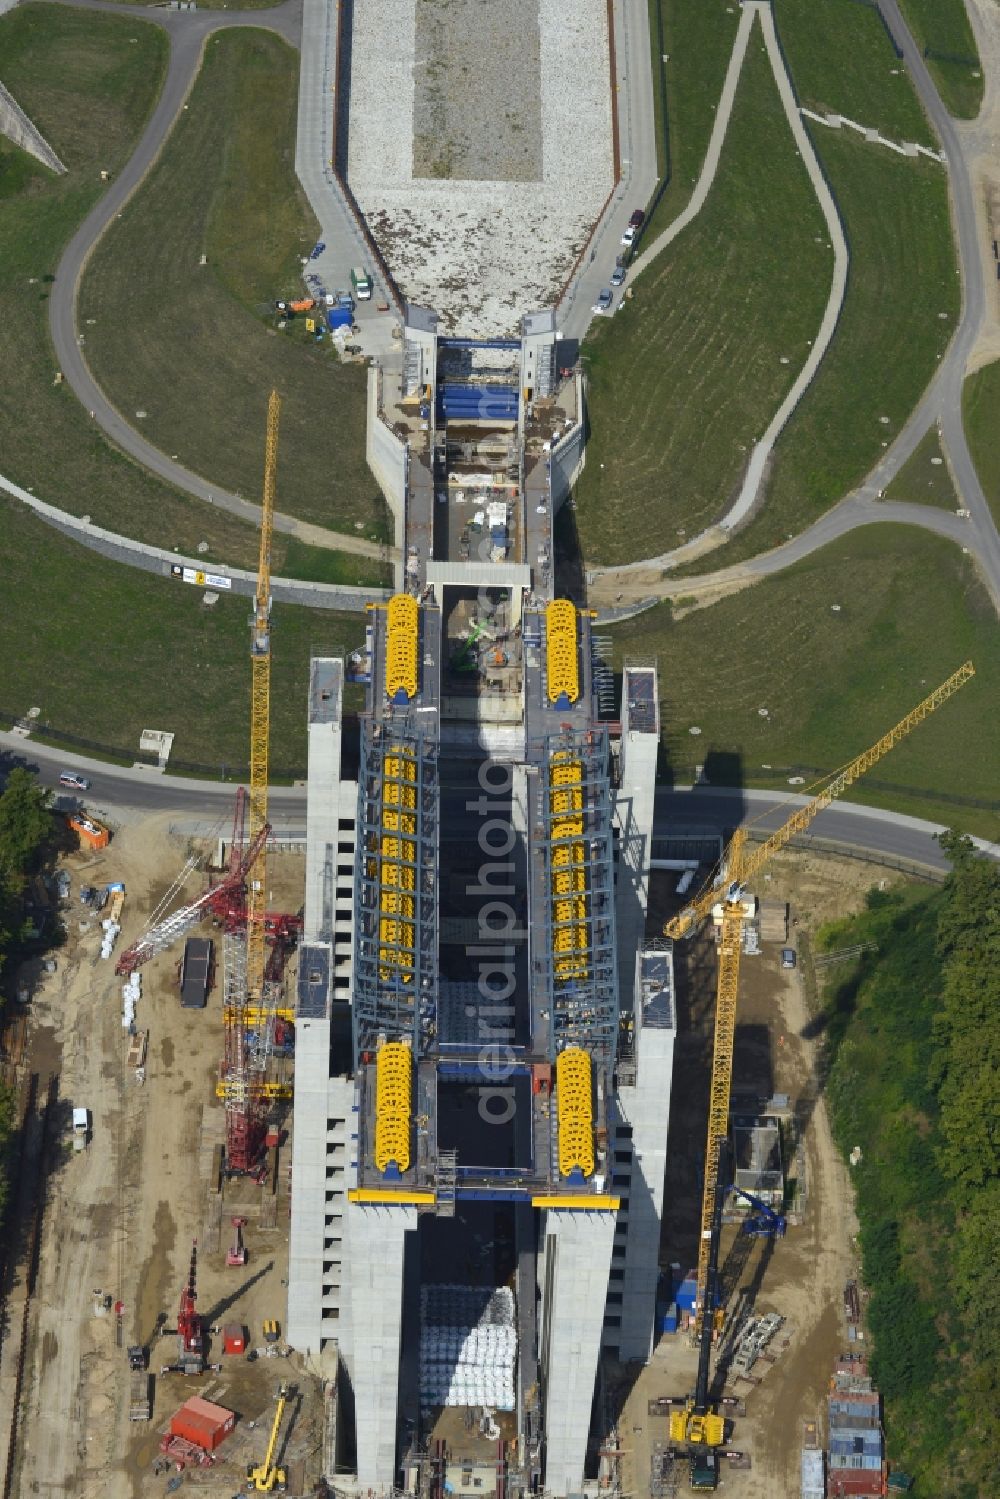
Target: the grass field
pixel 689 372
pixel 902 278
pixel 105 651
pixel 696 37
pixel 190 344
pixel 941 29
pixel 980 405
pixel 89 89
pixel 911 611
pixel 922 480
pixel 843 61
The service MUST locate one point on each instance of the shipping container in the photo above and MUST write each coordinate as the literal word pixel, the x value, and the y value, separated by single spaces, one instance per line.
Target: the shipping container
pixel 668 1320
pixel 202 1423
pixel 196 972
pixel 813 1481
pixel 234 1338
pixel 845 1483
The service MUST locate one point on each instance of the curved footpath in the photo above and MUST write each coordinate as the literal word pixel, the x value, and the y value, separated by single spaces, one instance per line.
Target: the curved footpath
pixel 188 31
pixel 622 590
pixel 637 584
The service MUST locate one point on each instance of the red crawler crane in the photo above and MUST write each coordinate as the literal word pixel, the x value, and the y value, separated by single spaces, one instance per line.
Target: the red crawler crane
pixel 190 1338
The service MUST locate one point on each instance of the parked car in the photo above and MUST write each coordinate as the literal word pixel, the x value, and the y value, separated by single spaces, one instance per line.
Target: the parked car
pixel 604 299
pixel 788 957
pixel 635 223
pixel 618 276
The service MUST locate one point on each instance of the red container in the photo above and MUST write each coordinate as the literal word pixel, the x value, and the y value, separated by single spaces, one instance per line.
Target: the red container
pixel 234 1338
pixel 202 1423
pixel 851 1481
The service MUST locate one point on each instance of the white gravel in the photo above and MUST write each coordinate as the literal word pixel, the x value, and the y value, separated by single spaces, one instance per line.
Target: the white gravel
pixel 482 252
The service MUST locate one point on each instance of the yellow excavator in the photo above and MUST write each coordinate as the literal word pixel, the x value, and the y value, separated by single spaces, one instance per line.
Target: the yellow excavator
pixel 729 903
pixel 267 1478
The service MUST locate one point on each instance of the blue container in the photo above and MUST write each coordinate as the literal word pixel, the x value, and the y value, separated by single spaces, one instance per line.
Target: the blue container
pixel 687 1295
pixel 668 1320
pixel 338 317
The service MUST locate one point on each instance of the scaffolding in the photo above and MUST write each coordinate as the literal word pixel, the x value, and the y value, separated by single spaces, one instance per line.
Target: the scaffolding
pixel 572 894
pixel 395 894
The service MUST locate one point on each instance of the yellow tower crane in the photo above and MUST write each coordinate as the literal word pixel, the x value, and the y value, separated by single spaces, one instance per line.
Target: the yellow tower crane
pixel 260 713
pixel 696 1422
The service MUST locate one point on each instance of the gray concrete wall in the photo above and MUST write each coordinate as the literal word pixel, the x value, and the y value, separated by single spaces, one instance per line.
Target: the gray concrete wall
pixel 646 1108
pixel 577 1263
pixel 569 454
pixel 16 126
pixel 374 1306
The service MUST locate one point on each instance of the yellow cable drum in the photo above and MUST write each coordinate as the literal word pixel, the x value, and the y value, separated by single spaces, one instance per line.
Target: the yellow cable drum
pixel 402 647
pixel 393 1107
pixel 562 672
pixel 575 1111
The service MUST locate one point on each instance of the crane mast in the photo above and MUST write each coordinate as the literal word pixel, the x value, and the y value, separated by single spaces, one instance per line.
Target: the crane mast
pixel 697 1423
pixel 260 712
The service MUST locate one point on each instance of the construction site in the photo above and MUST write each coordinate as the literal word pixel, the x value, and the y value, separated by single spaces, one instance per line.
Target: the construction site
pixel 431 1154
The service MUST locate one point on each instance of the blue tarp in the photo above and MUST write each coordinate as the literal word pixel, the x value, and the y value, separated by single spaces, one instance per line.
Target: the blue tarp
pixel 497 403
pixel 339 317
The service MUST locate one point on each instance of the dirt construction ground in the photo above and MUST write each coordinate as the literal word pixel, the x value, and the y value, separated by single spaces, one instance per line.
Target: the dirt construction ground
pixel 121 1217
pixel 802 1276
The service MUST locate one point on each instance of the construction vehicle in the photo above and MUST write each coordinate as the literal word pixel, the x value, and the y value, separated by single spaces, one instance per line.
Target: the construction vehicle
pixel 190 1334
pixel 267 1478
pixel 729 906
pixel 236 1254
pixel 140 1405
pixel 765 1223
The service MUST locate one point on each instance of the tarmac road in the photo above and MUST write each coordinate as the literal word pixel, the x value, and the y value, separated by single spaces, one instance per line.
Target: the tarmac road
pixel 202 806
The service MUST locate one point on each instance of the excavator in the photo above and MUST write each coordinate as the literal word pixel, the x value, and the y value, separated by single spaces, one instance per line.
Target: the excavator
pixel 729 903
pixel 267 1478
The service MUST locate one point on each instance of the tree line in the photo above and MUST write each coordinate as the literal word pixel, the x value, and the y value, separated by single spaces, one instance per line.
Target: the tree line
pixel 913 1058
pixel 26 836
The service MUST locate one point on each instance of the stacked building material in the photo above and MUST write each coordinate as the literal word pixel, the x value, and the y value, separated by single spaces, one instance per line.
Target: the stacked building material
pixel 468 1347
pixel 856 1450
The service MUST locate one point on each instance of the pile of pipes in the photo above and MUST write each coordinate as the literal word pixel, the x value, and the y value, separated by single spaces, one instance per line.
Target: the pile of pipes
pixel 131 994
pixel 111 928
pixel 468 1347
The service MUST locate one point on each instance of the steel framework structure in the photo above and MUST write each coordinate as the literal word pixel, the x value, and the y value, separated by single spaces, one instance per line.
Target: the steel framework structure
pixel 395 886
pixel 573 898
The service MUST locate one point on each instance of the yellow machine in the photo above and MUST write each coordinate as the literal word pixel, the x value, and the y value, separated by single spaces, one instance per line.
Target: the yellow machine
pixel 268 1479
pixel 696 1422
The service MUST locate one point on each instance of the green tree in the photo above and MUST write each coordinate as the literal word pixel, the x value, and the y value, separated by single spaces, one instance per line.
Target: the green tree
pixel 25 830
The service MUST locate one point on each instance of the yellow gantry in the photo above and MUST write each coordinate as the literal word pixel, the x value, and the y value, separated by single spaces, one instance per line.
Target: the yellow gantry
pixel 575 1109
pixel 570 915
pixel 394 864
pixel 562 671
pixel 402 646
pixel 393 1105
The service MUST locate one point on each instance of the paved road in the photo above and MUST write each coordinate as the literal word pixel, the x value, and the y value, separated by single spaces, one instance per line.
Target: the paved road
pixel 203 806
pixel 639 166
pixel 187 31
